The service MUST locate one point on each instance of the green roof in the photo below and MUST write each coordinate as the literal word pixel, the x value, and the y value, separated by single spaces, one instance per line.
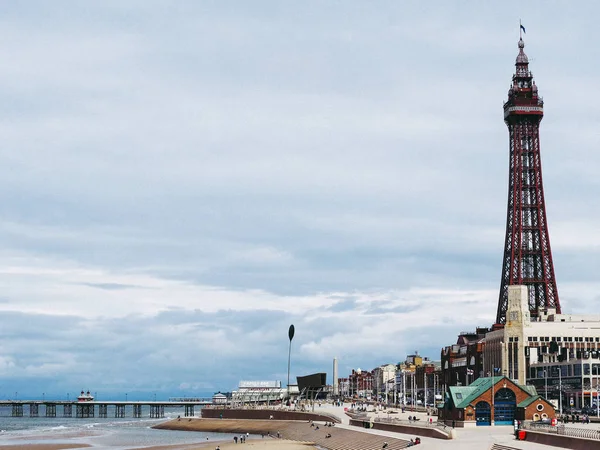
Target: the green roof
pixel 463 396
pixel 529 401
pixel 529 389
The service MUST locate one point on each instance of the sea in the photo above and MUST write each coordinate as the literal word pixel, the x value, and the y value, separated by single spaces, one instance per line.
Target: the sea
pixel 113 433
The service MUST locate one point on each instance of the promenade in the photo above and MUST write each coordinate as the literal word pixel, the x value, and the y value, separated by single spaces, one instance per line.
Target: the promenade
pixel 348 437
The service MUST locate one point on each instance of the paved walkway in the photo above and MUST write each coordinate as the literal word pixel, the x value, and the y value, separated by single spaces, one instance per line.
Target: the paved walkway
pixel 475 438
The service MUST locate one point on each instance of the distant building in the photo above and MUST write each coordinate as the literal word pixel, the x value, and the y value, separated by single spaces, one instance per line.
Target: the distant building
pixel 313 386
pixel 336 387
pixel 462 363
pixel 258 392
pixel 219 399
pixel 360 384
pixel 383 386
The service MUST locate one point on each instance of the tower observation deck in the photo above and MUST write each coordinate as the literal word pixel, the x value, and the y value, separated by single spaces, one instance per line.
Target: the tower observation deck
pixel 527 256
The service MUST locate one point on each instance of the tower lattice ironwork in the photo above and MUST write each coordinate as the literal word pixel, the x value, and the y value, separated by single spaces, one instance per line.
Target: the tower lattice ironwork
pixel 527 255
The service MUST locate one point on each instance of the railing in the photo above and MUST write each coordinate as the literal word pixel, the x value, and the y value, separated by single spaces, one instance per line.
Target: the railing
pixel 561 430
pixel 404 421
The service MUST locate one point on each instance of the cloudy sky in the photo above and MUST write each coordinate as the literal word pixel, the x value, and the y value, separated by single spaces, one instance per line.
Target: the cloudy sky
pixel 181 181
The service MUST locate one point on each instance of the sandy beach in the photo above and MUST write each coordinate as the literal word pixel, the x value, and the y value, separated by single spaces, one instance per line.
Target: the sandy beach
pixel 257 444
pixel 43 446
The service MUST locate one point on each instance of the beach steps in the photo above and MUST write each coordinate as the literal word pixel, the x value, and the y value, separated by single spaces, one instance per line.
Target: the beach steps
pixel 502 447
pixel 341 439
pixel 301 431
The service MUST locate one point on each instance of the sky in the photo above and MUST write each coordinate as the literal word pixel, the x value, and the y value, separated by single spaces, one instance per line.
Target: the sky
pixel 181 181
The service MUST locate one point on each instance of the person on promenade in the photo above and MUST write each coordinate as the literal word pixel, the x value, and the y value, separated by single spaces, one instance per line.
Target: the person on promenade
pixel 235 439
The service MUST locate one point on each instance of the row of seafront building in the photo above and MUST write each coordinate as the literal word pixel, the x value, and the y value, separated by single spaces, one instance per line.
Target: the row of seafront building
pixel 417 381
pixel 558 354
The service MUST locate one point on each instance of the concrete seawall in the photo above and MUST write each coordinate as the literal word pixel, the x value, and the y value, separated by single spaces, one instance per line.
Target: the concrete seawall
pixel 560 441
pixel 265 414
pixel 430 432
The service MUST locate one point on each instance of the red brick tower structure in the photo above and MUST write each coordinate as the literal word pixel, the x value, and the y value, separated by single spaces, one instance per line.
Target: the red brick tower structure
pixel 527 255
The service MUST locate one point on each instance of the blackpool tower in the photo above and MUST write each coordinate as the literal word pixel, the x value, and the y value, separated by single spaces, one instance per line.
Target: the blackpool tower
pixel 527 256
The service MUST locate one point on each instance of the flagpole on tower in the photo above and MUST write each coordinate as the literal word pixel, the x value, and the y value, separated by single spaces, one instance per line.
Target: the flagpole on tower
pixel 520 30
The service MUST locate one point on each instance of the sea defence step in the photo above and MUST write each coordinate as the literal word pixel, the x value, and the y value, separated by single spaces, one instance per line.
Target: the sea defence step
pixel 265 414
pixel 431 432
pixel 301 431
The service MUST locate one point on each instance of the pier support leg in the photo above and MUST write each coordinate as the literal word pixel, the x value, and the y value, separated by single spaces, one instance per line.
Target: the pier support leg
pixel 103 411
pixel 33 410
pixel 189 410
pixel 85 411
pixel 119 411
pixel 137 411
pixel 157 411
pixel 50 410
pixel 17 410
pixel 68 410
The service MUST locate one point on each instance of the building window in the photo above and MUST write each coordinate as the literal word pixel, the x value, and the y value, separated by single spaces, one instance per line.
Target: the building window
pixel 458 396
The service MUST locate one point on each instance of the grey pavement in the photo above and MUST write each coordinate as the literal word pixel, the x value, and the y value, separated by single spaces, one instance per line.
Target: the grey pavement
pixel 475 438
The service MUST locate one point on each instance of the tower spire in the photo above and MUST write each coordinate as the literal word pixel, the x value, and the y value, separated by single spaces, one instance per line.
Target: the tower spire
pixel 527 254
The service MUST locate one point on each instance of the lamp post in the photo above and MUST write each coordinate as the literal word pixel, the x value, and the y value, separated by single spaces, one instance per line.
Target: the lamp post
pixel 403 387
pixel 559 391
pixel 291 336
pixel 492 415
pixel 597 401
pixel 425 387
pixel 560 394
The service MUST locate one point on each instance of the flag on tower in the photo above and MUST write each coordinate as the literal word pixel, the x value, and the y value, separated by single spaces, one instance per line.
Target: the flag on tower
pixel 522 28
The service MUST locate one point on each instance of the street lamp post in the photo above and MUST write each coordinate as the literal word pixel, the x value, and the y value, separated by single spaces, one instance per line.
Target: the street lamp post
pixel 597 401
pixel 425 388
pixel 560 393
pixel 291 336
pixel 403 387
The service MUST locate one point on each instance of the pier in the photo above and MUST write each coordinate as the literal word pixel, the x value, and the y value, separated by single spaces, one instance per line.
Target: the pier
pixel 89 409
